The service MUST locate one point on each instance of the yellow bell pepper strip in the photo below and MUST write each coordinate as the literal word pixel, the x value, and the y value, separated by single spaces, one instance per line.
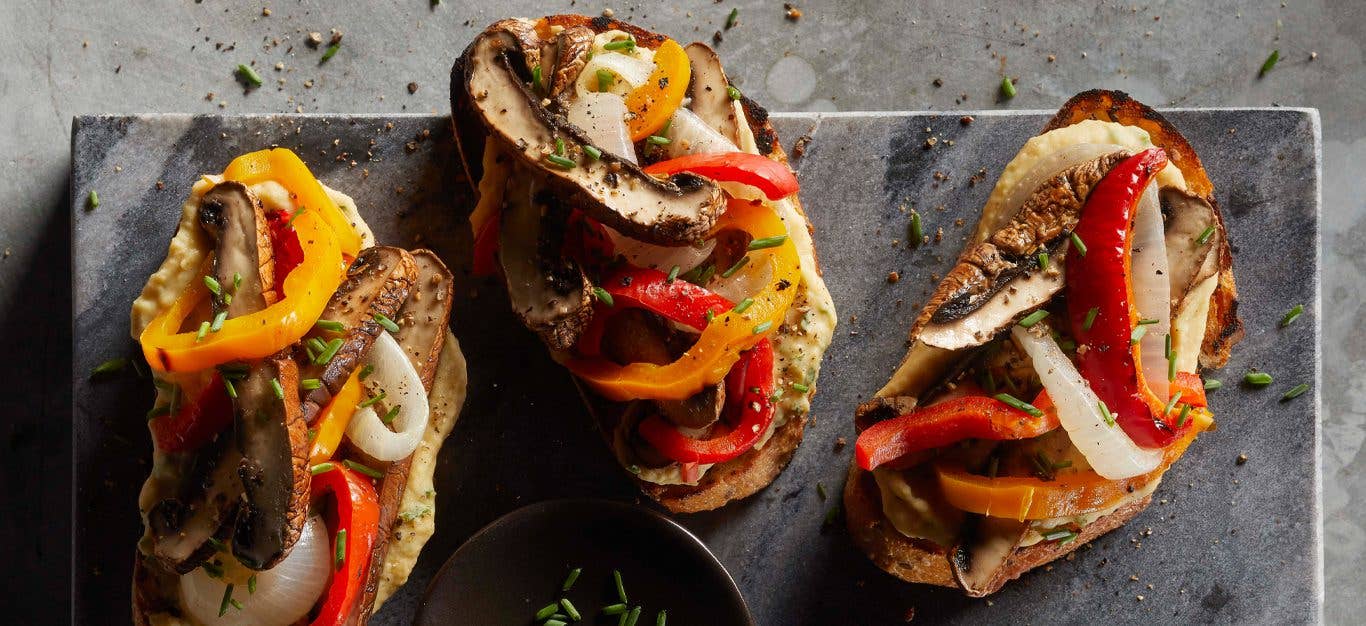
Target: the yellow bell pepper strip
pixel 718 348
pixel 1069 494
pixel 283 166
pixel 334 419
pixel 655 101
pixel 306 290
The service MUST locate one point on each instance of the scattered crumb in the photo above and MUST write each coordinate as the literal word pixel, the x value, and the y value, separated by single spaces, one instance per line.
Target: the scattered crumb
pixel 893 277
pixel 279 66
pixel 608 12
pixel 412 87
pixel 314 40
pixel 1242 458
pixel 840 442
pixel 265 12
pixel 938 82
pixel 965 120
pixel 794 14
pixel 1052 58
pixel 799 147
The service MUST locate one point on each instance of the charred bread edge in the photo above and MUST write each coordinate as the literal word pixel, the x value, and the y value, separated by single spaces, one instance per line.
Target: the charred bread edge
pixel 149 583
pixel 734 479
pixel 922 561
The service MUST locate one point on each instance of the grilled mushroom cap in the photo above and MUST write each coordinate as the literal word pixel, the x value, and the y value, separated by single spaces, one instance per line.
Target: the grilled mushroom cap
pixel 549 292
pixel 244 261
pixel 979 559
pixel 273 440
pixel 708 90
pixel 614 191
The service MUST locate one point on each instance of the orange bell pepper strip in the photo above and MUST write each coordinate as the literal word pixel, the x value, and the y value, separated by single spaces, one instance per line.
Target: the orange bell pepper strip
pixel 306 290
pixel 1192 389
pixel 334 419
pixel 655 101
pixel 709 360
pixel 946 423
pixel 1069 494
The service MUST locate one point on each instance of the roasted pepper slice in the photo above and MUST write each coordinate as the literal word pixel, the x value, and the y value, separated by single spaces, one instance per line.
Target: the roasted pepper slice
pixel 709 360
pixel 774 179
pixel 945 423
pixel 357 527
pixel 655 101
pixel 306 290
pixel 334 419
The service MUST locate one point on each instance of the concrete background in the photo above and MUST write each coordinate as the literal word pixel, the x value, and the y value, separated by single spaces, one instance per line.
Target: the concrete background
pixel 68 58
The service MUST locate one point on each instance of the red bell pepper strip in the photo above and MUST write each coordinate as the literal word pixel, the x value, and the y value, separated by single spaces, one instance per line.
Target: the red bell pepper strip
pixel 1102 279
pixel 946 423
pixel 195 422
pixel 486 246
pixel 676 300
pixel 774 179
pixel 586 241
pixel 1191 387
pixel 753 374
pixel 284 243
pixel 358 516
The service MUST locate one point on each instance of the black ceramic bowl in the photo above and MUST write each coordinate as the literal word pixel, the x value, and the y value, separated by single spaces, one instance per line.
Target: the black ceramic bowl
pixel 516 565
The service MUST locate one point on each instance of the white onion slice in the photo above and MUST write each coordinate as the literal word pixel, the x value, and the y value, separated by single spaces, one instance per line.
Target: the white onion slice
pixel 284 593
pixel 749 280
pixel 632 71
pixel 1046 168
pixel 602 116
pixel 689 134
pixel 663 258
pixel 1152 289
pixel 402 386
pixel 1107 448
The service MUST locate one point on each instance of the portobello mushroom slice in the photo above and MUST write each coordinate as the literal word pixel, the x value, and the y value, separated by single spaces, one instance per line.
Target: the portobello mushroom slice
pixel 571 55
pixel 613 190
pixel 1185 218
pixel 273 440
pixel 244 261
pixel 547 290
pixel 376 285
pixel 980 557
pixel 635 336
pixel 999 279
pixel 708 90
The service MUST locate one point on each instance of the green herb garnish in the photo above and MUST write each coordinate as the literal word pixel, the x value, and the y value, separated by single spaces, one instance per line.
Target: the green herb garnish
pixel 916 231
pixel 592 152
pixel 614 609
pixel 1061 536
pixel 1034 318
pixel 320 468
pixel 605 79
pixel 656 140
pixel 546 611
pixel 277 388
pixel 1043 261
pixel 1137 334
pixel 1171 403
pixel 248 73
pixel 1090 318
pixel 388 324
pixel 730 19
pixel 251 584
pixel 310 384
pixel 1185 413
pixel 1269 63
pixel 330 326
pixel 767 242
pixel 536 77
pixel 673 274
pixel 212 284
pixel 371 400
pixel 1292 315
pixel 621 589
pixel 1019 404
pixel 761 328
pixel 218 319
pixel 1257 379
pixel 364 469
pixel 366 371
pixel 560 161
pixel 1205 235
pixel 603 297
pixel 1077 243
pixel 569 580
pixel 743 305
pixel 1007 88
pixel 1295 392
pixel 733 92
pixel 391 414
pixel 569 608
pixel 1212 384
pixel 1105 413
pixel 203 330
pixel 620 44
pixel 801 387
pixel 340 557
pixel 92 201
pixel 331 52
pixel 109 367
pixel 227 599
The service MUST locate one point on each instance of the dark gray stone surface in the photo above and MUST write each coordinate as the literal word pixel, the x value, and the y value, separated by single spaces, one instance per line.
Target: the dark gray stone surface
pixel 1228 543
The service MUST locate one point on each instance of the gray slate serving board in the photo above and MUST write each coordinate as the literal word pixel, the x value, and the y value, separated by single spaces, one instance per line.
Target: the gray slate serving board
pixel 1222 542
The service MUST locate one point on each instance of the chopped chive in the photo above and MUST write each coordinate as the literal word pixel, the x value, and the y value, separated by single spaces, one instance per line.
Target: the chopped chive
pixel 1293 315
pixel 1019 404
pixel 217 545
pixel 743 305
pixel 1212 384
pixel 604 79
pixel 364 469
pixel 248 73
pixel 1105 413
pixel 1137 334
pixel 92 201
pixel 330 326
pixel 1043 260
pixel 320 468
pixel 730 19
pixel 277 388
pixel 656 140
pixel 1171 404
pixel 536 77
pixel 212 568
pixel 673 274
pixel 700 275
pixel 1077 243
pixel 366 371
pixel 1185 413
pixel 1034 318
pixel 237 278
pixel 230 388
pixel 371 400
pixel 236 604
pixel 556 159
pixel 1295 392
pixel 388 324
pixel 227 599
pixel 1007 88
pixel 592 152
pixel 212 284
pixel 331 52
pixel 744 260
pixel 1167 347
pixel 801 387
pixel 761 328
pixel 632 616
pixel 310 384
pixel 555 622
pixel 620 44
pixel 317 345
pixel 1061 536
pixel 218 319
pixel 546 611
pixel 767 242
pixel 251 584
pixel 603 297
pixel 1205 235
pixel 109 367
pixel 916 232
pixel 293 216
pixel 662 618
pixel 820 490
pixel 1171 362
pixel 1257 379
pixel 1064 464
pixel 203 330
pixel 391 414
pixel 559 146
pixel 1146 322
pixel 569 608
pixel 227 298
pixel 1269 63
pixel 621 589
pixel 569 580
pixel 614 609
pixel 733 92
pixel 340 557
pixel 1090 318
pixel 711 315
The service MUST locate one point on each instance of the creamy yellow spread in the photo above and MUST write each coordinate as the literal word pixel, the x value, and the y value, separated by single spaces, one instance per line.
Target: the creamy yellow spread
pixel 185 258
pixel 911 514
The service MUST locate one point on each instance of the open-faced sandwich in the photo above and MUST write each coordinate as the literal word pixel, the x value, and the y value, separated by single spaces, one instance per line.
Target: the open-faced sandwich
pixel 1053 377
pixel 305 380
pixel 647 227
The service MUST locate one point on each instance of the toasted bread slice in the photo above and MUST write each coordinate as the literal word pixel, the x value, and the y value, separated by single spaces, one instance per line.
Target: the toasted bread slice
pixel 923 561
